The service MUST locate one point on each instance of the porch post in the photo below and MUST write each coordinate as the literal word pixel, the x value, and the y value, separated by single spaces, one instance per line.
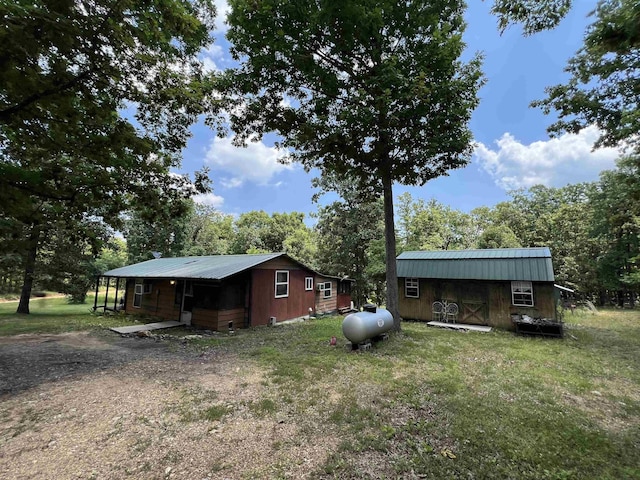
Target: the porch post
pixel 95 298
pixel 106 295
pixel 115 301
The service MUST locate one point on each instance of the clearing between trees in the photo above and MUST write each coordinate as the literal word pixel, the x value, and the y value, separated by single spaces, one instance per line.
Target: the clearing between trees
pixel 282 403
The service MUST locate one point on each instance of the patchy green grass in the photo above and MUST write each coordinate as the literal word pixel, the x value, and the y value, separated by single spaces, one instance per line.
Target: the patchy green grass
pixel 431 403
pixel 447 404
pixel 55 315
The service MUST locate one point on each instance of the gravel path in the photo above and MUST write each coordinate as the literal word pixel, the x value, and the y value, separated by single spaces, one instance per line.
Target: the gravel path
pixel 99 406
pixel 29 360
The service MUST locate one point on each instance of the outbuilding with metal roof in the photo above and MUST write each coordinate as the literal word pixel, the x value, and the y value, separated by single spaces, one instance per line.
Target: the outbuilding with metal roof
pixel 487 286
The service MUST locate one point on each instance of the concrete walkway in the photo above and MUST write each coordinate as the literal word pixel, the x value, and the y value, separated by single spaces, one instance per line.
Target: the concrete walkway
pixel 460 326
pixel 146 327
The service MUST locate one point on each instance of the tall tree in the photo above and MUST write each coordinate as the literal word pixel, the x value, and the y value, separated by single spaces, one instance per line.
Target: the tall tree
pixel 604 84
pixel 351 238
pixel 67 70
pixel 616 221
pixel 373 89
pixel 210 231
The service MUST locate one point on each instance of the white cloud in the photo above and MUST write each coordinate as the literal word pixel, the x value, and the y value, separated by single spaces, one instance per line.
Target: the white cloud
pixel 255 163
pixel 209 199
pixel 211 57
pixel 223 9
pixel 553 163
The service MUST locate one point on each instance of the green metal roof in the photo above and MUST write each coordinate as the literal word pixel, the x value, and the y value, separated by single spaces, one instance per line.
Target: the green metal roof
pixel 526 264
pixel 213 267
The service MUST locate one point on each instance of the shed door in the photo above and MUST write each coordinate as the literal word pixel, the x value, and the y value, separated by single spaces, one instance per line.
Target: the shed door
pixel 473 308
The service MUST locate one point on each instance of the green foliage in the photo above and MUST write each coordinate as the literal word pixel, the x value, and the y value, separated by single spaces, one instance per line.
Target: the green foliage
pixel 210 231
pixel 68 152
pixel 616 224
pixel 433 226
pixel 603 86
pixel 498 236
pixel 533 15
pixel 350 238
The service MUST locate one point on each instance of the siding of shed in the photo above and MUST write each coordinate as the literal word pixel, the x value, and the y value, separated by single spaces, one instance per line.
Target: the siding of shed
pixel 491 301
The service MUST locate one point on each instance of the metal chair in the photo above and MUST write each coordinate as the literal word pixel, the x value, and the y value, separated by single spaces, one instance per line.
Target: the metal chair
pixel 451 314
pixel 437 311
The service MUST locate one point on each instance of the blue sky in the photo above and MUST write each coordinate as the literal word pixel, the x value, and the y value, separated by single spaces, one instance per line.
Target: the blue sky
pixel 513 148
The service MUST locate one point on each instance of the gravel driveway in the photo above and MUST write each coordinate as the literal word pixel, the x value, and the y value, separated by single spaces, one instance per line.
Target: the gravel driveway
pixel 99 406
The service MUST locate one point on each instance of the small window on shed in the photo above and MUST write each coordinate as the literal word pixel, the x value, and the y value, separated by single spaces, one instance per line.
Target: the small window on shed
pixel 308 283
pixel 412 288
pixel 522 294
pixel 282 283
pixel 325 288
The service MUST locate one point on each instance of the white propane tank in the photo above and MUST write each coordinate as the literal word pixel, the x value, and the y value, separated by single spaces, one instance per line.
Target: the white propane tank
pixel 361 326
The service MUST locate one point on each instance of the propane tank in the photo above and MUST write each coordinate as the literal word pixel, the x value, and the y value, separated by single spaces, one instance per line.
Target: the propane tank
pixel 361 326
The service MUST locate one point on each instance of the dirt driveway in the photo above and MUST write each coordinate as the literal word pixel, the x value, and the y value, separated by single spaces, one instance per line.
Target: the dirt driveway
pixel 99 406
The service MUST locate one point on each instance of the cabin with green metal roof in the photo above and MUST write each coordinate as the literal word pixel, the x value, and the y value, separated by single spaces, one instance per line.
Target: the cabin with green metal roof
pixel 487 286
pixel 221 292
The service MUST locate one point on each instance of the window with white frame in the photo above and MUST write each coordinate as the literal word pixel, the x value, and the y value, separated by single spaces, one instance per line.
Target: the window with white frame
pixel 137 295
pixel 522 294
pixel 327 289
pixel 412 288
pixel 308 283
pixel 282 283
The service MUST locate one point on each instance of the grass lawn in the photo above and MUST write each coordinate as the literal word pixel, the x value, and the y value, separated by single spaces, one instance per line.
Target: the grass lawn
pixel 435 403
pixel 446 404
pixel 55 315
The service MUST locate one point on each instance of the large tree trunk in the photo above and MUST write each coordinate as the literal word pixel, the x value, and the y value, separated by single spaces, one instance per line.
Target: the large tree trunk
pixel 29 268
pixel 390 251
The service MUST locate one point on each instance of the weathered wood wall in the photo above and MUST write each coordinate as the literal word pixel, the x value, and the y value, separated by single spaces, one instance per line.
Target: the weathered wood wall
pixel 479 302
pixel 159 303
pixel 218 320
pixel 326 304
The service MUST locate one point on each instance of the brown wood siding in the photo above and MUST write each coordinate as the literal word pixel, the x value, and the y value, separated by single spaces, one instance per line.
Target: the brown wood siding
pixel 326 304
pixel 217 320
pixel 416 308
pixel 344 300
pixel 486 303
pixel 235 316
pixel 159 303
pixel 264 305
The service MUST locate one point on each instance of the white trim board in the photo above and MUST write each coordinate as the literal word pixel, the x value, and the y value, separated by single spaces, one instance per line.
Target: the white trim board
pixel 146 327
pixel 460 326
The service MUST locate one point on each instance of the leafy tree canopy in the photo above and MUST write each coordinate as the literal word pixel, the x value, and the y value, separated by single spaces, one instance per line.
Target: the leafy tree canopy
pixel 68 69
pixel 604 84
pixel 533 15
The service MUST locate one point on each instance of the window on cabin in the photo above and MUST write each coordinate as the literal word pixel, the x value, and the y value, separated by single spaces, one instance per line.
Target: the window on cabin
pixel 344 288
pixel 137 295
pixel 282 283
pixel 308 283
pixel 327 289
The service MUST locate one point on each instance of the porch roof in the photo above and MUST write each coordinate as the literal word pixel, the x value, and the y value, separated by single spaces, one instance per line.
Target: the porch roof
pixel 211 267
